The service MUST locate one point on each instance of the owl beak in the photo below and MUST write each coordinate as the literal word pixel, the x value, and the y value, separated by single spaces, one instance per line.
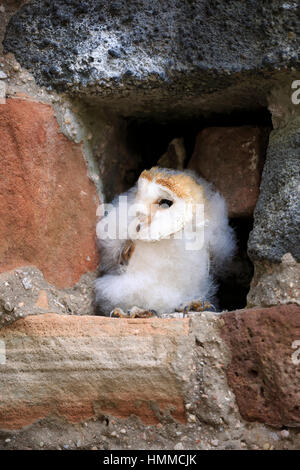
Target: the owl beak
pixel 143 222
pixel 144 216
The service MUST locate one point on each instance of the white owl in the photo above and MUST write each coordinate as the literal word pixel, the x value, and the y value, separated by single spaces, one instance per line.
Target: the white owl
pixel 162 244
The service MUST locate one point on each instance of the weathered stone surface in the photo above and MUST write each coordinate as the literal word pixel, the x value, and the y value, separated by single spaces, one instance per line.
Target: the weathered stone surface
pixel 264 372
pixel 16 301
pixel 42 300
pixel 7 10
pixel 119 166
pixel 85 367
pixel 232 158
pixel 277 214
pixel 212 400
pixel 47 203
pixel 168 57
pixel 90 382
pixel 275 283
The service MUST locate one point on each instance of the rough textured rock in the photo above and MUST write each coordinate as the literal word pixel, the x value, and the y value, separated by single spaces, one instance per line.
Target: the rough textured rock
pixel 264 371
pixel 232 158
pixel 119 166
pixel 212 400
pixel 47 203
pixel 8 8
pixel 277 215
pixel 275 283
pixel 160 57
pixel 25 291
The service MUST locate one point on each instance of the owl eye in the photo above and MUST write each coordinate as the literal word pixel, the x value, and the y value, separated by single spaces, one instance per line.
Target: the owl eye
pixel 165 203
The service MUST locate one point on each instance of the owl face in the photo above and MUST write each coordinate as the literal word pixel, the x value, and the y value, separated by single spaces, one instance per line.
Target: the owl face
pixel 164 204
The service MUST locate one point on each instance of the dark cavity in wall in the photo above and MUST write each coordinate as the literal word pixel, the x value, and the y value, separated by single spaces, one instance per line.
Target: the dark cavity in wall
pixel 233 290
pixel 146 140
pixel 150 138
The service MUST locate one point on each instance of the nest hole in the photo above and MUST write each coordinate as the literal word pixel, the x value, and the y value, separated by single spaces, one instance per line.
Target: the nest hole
pixel 148 139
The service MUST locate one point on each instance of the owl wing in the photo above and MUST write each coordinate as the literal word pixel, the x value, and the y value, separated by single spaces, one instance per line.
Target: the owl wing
pixel 112 234
pixel 222 240
pixel 219 236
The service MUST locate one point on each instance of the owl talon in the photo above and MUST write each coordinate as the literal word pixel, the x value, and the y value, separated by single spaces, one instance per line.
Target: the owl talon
pixel 209 306
pixel 118 313
pixel 135 312
pixel 185 311
pixel 196 306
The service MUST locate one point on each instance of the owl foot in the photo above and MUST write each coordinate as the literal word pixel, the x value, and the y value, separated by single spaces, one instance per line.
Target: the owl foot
pixel 137 312
pixel 196 306
pixel 118 313
pixel 134 312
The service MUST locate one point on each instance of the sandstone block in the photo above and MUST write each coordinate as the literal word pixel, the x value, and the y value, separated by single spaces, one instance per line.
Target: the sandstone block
pixel 232 158
pixel 79 368
pixel 47 202
pixel 264 372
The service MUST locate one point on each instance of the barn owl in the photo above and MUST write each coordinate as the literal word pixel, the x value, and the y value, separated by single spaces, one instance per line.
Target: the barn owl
pixel 162 244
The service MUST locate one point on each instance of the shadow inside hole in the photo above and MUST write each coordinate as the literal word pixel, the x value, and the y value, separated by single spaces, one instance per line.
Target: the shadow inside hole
pixel 233 290
pixel 150 138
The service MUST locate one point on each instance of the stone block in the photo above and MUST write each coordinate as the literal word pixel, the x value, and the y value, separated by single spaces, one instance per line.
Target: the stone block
pixel 47 202
pixel 232 158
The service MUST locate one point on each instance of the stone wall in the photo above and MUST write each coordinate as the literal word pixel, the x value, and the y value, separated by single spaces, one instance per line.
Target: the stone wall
pixel 91 93
pixel 206 381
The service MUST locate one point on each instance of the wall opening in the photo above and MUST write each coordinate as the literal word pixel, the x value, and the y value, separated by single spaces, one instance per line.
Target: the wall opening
pixel 148 139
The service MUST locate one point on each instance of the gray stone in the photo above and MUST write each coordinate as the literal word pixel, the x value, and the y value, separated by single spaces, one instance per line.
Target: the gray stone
pixel 175 56
pixel 26 283
pixel 275 283
pixel 16 301
pixel 277 214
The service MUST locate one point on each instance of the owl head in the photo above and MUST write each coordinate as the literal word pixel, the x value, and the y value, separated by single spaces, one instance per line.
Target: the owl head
pixel 165 203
